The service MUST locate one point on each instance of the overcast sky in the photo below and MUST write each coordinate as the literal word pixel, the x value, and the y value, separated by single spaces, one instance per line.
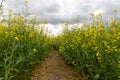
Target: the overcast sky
pixel 65 10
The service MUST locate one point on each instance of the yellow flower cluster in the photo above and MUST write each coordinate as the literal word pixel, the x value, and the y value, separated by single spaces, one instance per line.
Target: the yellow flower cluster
pixel 96 41
pixel 16 38
pixel 35 50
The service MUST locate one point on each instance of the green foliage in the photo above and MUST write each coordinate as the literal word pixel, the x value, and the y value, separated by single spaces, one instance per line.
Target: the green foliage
pixel 94 50
pixel 56 42
pixel 21 46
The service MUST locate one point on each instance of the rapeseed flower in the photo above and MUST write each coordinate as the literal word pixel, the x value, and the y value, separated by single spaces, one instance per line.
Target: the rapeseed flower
pixel 16 38
pixel 26 1
pixel 35 50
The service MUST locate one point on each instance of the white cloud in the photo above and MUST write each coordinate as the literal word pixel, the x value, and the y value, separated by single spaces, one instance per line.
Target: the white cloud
pixel 58 10
pixel 99 11
pixel 54 29
pixel 65 10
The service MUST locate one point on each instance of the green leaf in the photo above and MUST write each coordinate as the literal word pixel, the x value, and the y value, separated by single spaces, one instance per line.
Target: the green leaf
pixel 10 78
pixel 1 78
pixel 1 65
pixel 97 76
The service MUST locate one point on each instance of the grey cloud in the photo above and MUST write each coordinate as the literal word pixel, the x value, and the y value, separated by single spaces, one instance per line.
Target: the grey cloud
pixel 17 5
pixel 66 10
pixel 53 8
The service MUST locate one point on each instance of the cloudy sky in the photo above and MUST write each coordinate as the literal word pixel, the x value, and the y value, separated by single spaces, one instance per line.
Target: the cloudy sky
pixel 56 11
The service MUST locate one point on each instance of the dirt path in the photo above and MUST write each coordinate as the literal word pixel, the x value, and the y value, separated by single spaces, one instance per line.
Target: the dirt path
pixel 54 68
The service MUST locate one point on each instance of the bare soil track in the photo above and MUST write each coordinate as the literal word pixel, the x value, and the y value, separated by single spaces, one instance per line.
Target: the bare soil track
pixel 54 68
